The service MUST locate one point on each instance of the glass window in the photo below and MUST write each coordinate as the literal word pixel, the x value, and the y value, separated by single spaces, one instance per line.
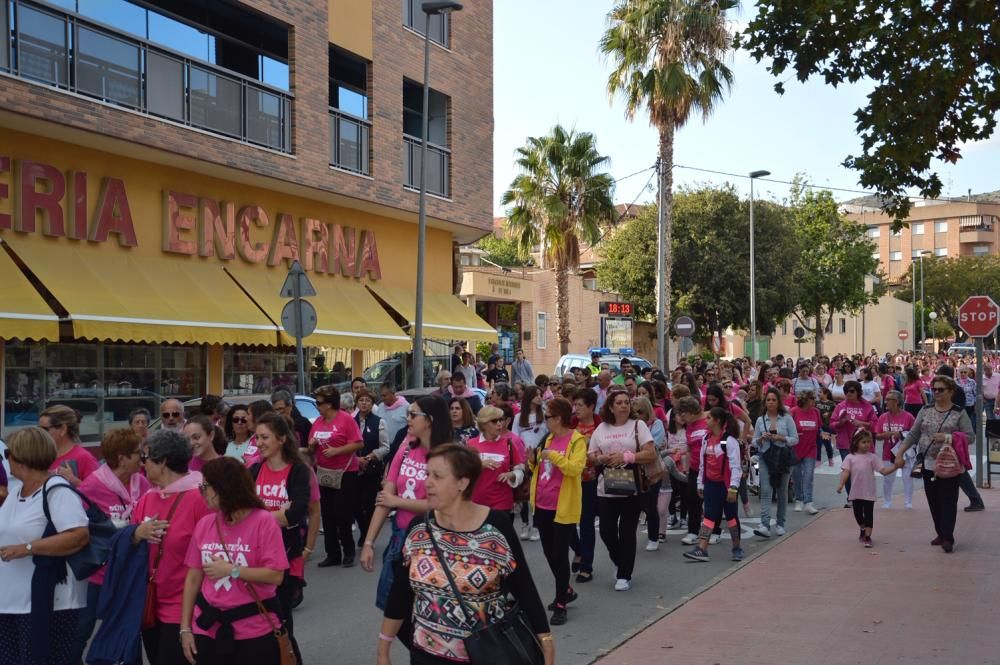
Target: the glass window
pixel 165 86
pixel 541 330
pixel 941 227
pixel 179 37
pixel 264 118
pixel 4 37
pixel 917 229
pixel 107 68
pixel 274 72
pixel 915 254
pixel 41 50
pixel 414 17
pixel 940 251
pixel 873 231
pixel 348 84
pixel 215 102
pixel 261 373
pixel 843 326
pixel 895 256
pixel 119 14
pixel 877 256
pixel 784 327
pixel 981 250
pixel 413 104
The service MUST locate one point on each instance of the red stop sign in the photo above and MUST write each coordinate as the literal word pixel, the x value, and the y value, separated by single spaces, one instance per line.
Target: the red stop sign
pixel 978 316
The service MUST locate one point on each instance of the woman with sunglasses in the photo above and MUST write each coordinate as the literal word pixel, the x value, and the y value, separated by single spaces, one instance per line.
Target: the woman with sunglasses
pixel 166 517
pixel 503 462
pixel 850 415
pixel 237 432
pixel 404 489
pixel 235 558
pixel 73 462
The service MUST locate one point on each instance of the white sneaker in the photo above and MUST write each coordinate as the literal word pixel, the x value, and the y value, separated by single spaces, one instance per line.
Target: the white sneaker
pixel 622 585
pixel 534 534
pixel 762 531
pixel 908 506
pixel 886 506
pixel 689 539
pixel 811 509
pixel 798 506
pixel 714 539
pixel 652 546
pixel 780 530
pixel 525 532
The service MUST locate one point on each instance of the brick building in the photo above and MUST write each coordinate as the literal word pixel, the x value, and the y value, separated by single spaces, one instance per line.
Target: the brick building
pixel 164 161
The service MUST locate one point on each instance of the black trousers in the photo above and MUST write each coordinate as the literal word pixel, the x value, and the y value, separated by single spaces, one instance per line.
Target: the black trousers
pixel 162 644
pixel 968 486
pixel 556 539
pixel 864 513
pixel 942 499
pixel 337 510
pixel 678 498
pixel 619 520
pixel 650 507
pixel 286 593
pixel 256 651
pixel 694 504
pixel 369 485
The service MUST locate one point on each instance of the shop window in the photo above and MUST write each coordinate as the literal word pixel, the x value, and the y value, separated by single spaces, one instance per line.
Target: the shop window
pixel 541 330
pixel 263 372
pixel 415 19
pixel 843 326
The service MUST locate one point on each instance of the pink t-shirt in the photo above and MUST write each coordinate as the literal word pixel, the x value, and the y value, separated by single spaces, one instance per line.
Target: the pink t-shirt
pixel 549 476
pixel 313 486
pixel 272 486
pixel 887 422
pixel 696 433
pixel 336 434
pixel 78 457
pixel 255 542
pixel 172 571
pixel 489 490
pixel 116 505
pixel 913 393
pixel 863 469
pixel 408 472
pixel 807 424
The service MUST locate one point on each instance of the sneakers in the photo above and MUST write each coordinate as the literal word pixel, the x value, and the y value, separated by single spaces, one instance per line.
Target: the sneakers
pixel 525 532
pixel 696 554
pixel 886 505
pixel 798 507
pixel 623 585
pixel 762 531
pixel 683 523
pixel 689 539
pixel 673 522
pixel 534 535
pixel 652 546
pixel 780 530
pixel 558 615
pixel 974 508
pixel 714 539
pixel 811 509
pixel 908 505
pixel 867 541
pixel 662 538
pixel 737 554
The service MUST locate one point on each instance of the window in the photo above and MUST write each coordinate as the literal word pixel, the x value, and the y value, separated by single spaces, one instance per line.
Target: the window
pixel 873 232
pixel 4 37
pixel 464 259
pixel 941 226
pixel 541 329
pixel 877 256
pixel 940 251
pixel 41 46
pixel 350 131
pixel 915 254
pixel 980 250
pixel 590 283
pixel 784 327
pixel 415 19
pixel 895 256
pixel 438 155
pixel 917 229
pixel 107 68
pixel 843 326
pixel 828 329
pixel 896 234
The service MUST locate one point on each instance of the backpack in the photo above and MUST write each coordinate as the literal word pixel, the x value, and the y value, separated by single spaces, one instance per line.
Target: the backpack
pixel 947 463
pixel 102 530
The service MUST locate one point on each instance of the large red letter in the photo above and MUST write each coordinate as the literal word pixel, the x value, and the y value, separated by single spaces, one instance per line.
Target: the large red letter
pixel 368 257
pixel 343 250
pixel 284 247
pixel 175 220
pixel 47 202
pixel 113 214
pixel 218 229
pixel 78 206
pixel 249 251
pixel 315 250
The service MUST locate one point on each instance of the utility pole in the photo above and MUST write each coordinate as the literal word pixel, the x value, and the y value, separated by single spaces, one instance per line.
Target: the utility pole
pixel 661 278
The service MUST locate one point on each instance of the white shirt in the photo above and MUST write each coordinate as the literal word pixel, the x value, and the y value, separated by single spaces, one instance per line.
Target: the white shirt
pixel 22 520
pixel 868 390
pixel 608 439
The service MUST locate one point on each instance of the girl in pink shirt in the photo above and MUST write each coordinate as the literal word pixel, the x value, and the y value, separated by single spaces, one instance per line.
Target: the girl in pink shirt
pixel 235 557
pixel 201 432
pixel 72 462
pixel 859 468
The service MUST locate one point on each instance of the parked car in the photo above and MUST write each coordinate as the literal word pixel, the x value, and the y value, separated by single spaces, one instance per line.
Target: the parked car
pixel 392 369
pixel 571 360
pixel 962 349
pixel 305 403
pixel 413 394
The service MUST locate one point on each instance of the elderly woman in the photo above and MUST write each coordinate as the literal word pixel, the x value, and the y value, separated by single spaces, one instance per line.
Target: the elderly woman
pixel 774 429
pixel 933 428
pixel 480 544
pixel 166 517
pixel 503 461
pixel 72 462
pixel 115 488
pixel 138 420
pixel 41 600
pixel 890 429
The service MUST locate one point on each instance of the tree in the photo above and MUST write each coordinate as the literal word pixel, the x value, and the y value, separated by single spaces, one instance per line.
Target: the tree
pixel 935 66
pixel 559 198
pixel 668 57
pixel 501 251
pixel 948 282
pixel 834 259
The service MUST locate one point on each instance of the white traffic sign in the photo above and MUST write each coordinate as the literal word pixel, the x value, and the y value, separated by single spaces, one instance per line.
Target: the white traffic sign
pixel 302 327
pixel 684 326
pixel 297 274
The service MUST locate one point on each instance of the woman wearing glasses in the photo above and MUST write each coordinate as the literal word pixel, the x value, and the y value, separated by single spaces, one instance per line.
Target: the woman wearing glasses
pixel 404 489
pixel 166 517
pixel 237 432
pixel 503 462
pixel 333 440
pixel 852 414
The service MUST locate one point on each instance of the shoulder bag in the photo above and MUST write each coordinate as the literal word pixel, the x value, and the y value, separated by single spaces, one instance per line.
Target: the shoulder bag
pixel 652 472
pixel 287 653
pixel 507 641
pixel 149 608
pixel 522 493
pixel 101 528
pixel 330 478
pixel 918 465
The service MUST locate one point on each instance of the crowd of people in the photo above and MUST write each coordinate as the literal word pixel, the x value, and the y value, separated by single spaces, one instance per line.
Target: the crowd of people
pixel 215 515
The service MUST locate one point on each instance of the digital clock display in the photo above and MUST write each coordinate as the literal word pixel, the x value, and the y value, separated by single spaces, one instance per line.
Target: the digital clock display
pixel 617 309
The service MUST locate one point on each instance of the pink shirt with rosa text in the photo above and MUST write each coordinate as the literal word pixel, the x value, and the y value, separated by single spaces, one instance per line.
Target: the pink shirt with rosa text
pixel 549 476
pixel 408 472
pixel 489 490
pixel 341 431
pixel 253 542
pixel 84 462
pixel 897 424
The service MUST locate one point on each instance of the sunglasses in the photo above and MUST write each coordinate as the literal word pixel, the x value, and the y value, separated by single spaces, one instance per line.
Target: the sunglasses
pixel 242 420
pixel 939 390
pixel 171 414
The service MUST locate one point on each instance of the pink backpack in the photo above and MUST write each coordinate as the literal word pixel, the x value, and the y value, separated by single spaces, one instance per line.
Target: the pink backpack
pixel 947 464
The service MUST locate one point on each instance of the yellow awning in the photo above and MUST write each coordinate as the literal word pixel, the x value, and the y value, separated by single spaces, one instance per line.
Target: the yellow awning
pixel 117 295
pixel 445 316
pixel 23 313
pixel 347 316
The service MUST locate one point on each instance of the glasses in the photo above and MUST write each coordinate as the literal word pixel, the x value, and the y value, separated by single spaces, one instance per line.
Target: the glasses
pixel 241 420
pixel 171 414
pixel 939 389
pixel 727 386
pixel 414 414
pixel 554 383
pixel 495 421
pixel 551 416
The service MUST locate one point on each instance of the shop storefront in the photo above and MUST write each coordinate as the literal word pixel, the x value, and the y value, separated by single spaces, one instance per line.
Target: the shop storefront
pixel 127 282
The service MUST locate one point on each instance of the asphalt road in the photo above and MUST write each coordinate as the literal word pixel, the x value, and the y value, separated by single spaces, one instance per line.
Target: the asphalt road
pixel 338 621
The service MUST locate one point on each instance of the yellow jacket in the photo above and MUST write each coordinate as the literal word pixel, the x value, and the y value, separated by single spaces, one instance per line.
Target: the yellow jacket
pixel 570 503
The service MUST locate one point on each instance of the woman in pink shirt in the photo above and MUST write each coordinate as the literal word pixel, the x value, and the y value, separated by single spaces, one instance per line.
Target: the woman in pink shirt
pixel 808 423
pixel 914 392
pixel 850 415
pixel 201 432
pixel 333 440
pixel 503 462
pixel 73 462
pixel 235 558
pixel 890 429
pixel 166 517
pixel 115 488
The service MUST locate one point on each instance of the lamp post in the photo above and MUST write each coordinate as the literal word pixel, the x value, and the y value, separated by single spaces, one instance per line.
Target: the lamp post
pixel 753 294
pixel 922 317
pixel 933 317
pixel 429 9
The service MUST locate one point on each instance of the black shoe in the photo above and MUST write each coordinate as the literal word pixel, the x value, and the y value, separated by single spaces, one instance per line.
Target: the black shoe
pixel 975 507
pixel 297 599
pixel 558 615
pixel 348 561
pixel 583 578
pixel 327 563
pixel 570 597
pixel 948 546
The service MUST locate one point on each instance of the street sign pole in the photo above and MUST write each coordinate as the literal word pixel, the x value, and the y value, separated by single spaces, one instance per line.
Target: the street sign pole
pixel 982 461
pixel 302 323
pixel 299 353
pixel 978 317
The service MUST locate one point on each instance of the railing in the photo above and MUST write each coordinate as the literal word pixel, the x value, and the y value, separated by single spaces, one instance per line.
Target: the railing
pixel 350 139
pixel 438 167
pixel 62 50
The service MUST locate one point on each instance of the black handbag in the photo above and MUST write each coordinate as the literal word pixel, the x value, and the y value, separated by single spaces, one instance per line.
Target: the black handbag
pixel 102 530
pixel 508 641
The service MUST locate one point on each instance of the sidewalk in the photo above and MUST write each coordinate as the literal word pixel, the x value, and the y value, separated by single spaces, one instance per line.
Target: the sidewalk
pixel 820 598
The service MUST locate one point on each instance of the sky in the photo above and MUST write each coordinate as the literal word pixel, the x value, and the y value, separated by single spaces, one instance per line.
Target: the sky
pixel 548 70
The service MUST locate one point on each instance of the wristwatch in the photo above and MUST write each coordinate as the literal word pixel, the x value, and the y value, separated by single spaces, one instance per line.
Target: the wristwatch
pixel 235 572
pixel 28 547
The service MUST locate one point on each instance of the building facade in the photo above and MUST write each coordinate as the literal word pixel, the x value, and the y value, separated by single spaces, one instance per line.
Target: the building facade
pixel 165 162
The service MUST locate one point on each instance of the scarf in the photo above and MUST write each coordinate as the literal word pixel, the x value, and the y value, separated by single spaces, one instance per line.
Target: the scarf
pixel 129 496
pixel 400 403
pixel 467 393
pixel 182 484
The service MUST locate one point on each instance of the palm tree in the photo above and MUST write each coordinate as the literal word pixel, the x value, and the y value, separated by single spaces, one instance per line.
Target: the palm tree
pixel 668 57
pixel 559 199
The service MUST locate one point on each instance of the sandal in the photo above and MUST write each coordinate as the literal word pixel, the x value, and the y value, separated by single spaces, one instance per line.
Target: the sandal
pixel 583 578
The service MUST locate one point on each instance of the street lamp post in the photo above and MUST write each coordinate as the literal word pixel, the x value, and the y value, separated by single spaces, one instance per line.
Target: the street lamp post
pixel 922 317
pixel 933 317
pixel 429 9
pixel 753 294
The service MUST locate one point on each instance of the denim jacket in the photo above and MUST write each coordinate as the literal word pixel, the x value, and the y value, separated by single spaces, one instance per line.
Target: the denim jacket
pixel 786 428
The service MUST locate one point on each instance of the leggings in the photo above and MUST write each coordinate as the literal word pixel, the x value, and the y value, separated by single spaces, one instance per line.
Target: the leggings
pixel 864 512
pixel 715 507
pixel 678 498
pixel 555 539
pixel 162 643
pixel 824 443
pixel 693 502
pixel 651 507
pixel 619 519
pixel 255 651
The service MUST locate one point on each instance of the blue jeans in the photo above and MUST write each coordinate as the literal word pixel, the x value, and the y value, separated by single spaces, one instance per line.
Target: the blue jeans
pixel 390 557
pixel 802 476
pixel 584 544
pixel 86 622
pixel 766 491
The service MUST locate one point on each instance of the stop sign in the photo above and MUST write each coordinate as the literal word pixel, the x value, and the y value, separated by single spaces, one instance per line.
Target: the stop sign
pixel 978 316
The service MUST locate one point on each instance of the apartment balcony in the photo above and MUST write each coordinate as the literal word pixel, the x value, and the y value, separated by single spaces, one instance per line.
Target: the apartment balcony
pixel 977 235
pixel 438 167
pixel 350 139
pixel 63 50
